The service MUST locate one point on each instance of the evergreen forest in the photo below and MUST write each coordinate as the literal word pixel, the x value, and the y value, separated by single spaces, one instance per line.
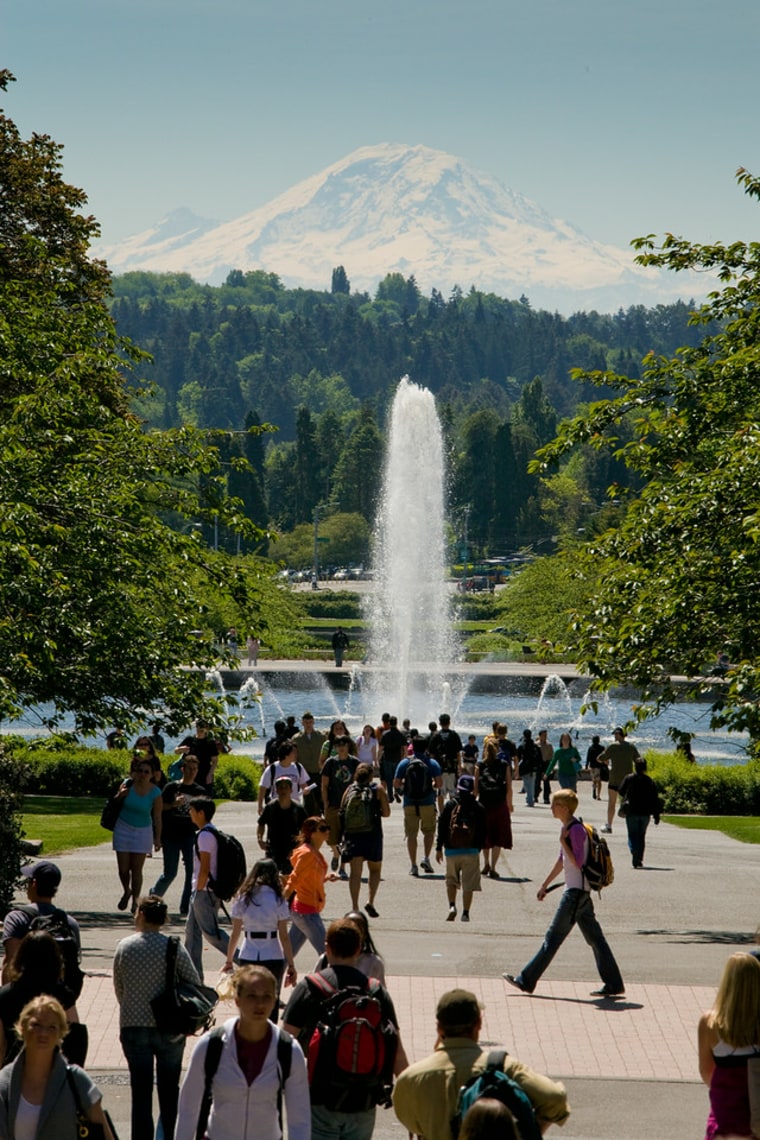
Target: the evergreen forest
pixel 318 370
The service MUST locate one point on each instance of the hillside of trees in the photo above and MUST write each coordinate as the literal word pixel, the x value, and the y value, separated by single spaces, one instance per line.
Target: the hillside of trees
pixel 319 369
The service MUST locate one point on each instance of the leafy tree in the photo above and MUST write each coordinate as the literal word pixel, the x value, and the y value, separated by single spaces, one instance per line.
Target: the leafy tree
pixel 99 604
pixel 357 472
pixel 677 580
pixel 539 600
pixel 340 282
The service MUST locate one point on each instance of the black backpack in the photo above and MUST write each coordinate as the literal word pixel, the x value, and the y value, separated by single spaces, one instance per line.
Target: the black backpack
pixel 493 1082
pixel 461 827
pixel 418 781
pixel 230 864
pixel 56 924
pixel 492 785
pixel 532 759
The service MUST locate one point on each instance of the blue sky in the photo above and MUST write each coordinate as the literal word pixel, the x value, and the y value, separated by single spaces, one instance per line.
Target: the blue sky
pixel 623 118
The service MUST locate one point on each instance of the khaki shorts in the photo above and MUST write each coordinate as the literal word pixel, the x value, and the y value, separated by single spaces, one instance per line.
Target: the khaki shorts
pixel 463 871
pixel 419 819
pixel 332 819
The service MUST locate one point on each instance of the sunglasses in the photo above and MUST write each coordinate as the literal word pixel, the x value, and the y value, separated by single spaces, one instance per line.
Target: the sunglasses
pixel 323 827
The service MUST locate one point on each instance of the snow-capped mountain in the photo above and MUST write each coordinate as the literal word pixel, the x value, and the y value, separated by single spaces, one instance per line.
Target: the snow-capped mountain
pixel 407 209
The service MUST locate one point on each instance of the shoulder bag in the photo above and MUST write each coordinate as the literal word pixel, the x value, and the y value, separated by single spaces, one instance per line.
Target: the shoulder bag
pixel 183 1007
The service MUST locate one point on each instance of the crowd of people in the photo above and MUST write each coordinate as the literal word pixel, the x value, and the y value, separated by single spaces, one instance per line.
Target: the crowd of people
pixel 322 801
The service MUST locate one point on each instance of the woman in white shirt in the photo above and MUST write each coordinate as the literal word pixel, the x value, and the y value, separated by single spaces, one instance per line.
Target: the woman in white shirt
pixel 366 748
pixel 249 1076
pixel 286 765
pixel 261 915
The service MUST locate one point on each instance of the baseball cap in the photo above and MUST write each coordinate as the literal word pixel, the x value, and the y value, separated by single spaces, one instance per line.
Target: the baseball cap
pixel 283 780
pixel 458 1008
pixel 466 784
pixel 45 874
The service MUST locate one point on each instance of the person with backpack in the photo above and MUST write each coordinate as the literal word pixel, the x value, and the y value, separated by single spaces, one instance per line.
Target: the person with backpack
pixel 337 773
pixel 42 913
pixel 38 969
pixel 575 906
pixel 495 796
pixel 426 1096
pixel 286 764
pixel 203 918
pixel 419 779
pixel 445 746
pixel 362 810
pixel 461 835
pixel 349 1029
pixel 242 1074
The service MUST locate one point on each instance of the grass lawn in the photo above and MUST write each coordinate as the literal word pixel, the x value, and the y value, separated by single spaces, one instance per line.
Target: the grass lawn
pixel 745 828
pixel 63 822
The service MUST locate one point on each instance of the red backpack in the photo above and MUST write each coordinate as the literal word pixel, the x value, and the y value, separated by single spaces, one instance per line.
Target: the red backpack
pixel 353 1047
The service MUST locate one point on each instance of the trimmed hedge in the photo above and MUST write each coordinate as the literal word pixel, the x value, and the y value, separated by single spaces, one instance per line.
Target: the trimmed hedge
pixel 333 604
pixel 705 789
pixel 77 771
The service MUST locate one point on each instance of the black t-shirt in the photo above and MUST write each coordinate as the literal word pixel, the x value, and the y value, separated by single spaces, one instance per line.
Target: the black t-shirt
pixel 445 746
pixel 282 826
pixel 176 823
pixel 340 773
pixel 394 744
pixel 205 748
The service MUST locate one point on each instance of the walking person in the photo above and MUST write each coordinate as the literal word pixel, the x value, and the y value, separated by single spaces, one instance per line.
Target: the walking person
pixel 203 916
pixel 40 1095
pixel 139 975
pixel 546 749
pixel 280 824
pixel 575 906
pixel 639 802
pixel 178 831
pixel 728 1035
pixel 495 795
pixel 529 761
pixel 461 836
pixel 618 759
pixel 306 885
pixel 337 773
pixel 593 752
pixel 363 808
pixel 258 1071
pixel 419 779
pixel 137 830
pixel 340 644
pixel 567 761
pixel 206 748
pixel 261 915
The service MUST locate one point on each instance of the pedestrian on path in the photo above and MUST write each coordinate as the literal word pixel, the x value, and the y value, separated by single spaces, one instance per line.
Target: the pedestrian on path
pixel 575 906
pixel 639 802
pixel 306 885
pixel 363 808
pixel 461 837
pixel 203 918
pixel 728 1036
pixel 618 758
pixel 139 975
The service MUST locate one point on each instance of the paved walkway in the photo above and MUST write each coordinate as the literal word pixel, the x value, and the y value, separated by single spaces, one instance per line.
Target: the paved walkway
pixel 630 1065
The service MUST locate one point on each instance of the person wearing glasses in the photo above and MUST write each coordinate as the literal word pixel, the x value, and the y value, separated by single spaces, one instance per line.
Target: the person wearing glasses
pixel 138 828
pixel 206 748
pixel 305 886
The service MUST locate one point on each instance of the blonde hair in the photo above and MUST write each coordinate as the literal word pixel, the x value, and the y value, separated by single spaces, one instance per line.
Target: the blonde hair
pixel 567 798
pixel 736 1011
pixel 230 986
pixel 44 1003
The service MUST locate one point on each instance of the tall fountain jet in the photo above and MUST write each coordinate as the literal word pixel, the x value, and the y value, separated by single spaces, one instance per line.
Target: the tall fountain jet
pixel 411 643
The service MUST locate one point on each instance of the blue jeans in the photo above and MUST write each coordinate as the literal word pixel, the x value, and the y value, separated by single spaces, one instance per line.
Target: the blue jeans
pixel 203 922
pixel 307 926
pixel 329 1125
pixel 637 830
pixel 529 783
pixel 172 849
pixel 141 1046
pixel 575 906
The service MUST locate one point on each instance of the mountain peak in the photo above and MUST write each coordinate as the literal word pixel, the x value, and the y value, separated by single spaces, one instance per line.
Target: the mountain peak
pixel 399 208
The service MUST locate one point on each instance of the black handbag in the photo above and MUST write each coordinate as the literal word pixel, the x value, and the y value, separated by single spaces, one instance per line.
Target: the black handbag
pixel 182 1007
pixel 112 810
pixel 88 1129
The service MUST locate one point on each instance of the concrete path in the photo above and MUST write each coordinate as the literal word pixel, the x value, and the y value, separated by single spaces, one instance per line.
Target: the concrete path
pixel 630 1065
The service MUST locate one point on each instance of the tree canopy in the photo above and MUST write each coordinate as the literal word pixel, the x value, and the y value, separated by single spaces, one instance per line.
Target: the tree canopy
pixel 101 602
pixel 677 580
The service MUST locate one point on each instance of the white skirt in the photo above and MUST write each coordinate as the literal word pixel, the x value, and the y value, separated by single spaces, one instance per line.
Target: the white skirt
pixel 132 840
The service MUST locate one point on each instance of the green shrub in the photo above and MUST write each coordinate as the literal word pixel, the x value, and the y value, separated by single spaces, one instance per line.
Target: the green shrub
pixel 79 771
pixel 476 607
pixel 492 647
pixel 333 604
pixel 237 778
pixel 13 779
pixel 705 789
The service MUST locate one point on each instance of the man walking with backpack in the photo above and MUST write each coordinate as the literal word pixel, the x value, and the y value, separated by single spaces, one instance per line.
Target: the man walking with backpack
pixel 203 919
pixel 461 835
pixel 42 913
pixel 420 780
pixel 445 746
pixel 426 1094
pixel 575 906
pixel 362 811
pixel 348 1029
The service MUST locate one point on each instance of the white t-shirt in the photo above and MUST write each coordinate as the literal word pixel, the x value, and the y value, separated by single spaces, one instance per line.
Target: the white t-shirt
pixel 27 1119
pixel 260 916
pixel 205 840
pixel 298 775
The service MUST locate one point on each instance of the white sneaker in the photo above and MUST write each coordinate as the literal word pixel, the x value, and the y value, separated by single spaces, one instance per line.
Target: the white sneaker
pixel 606 829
